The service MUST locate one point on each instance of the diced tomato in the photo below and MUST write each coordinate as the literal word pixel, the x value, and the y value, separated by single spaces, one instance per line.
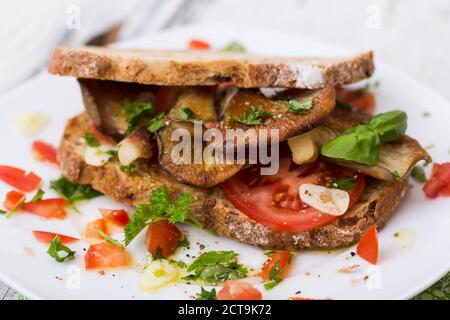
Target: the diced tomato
pixel 90 233
pixel 13 200
pixel 211 124
pixel 47 208
pixel 19 179
pixel 100 137
pixel 282 258
pixel 118 218
pixel 44 152
pixel 165 97
pixel 47 237
pixel 363 100
pixel 439 182
pixel 162 238
pixel 196 44
pixel 105 255
pixel 238 290
pixel 368 246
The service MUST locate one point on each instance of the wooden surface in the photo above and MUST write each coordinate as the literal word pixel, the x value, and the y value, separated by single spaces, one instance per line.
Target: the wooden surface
pixel 410 35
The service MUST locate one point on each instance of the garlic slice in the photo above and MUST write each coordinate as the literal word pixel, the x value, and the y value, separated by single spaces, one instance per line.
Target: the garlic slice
pixel 327 200
pixel 96 156
pixel 157 274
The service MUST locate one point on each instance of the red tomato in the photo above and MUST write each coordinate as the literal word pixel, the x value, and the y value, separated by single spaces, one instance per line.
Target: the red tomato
pixel 48 208
pixel 13 200
pixel 238 290
pixel 105 255
pixel 162 238
pixel 368 246
pixel 100 137
pixel 274 200
pixel 90 233
pixel 165 97
pixel 47 237
pixel 283 258
pixel 362 100
pixel 196 44
pixel 17 178
pixel 439 182
pixel 44 152
pixel 118 218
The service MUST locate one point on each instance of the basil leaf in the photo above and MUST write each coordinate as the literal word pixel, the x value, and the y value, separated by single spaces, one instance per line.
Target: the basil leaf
pixel 389 125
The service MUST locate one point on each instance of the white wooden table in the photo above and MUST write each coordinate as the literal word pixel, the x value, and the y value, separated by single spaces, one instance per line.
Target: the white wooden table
pixel 412 35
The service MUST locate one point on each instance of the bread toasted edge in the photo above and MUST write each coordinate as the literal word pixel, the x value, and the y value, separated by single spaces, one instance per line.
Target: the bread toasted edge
pixel 246 70
pixel 378 202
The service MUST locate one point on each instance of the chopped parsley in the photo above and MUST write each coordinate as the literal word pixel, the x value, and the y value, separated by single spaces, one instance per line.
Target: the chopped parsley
pixel 343 183
pixel 301 107
pixel 90 140
pixel 73 192
pixel 128 169
pixel 56 247
pixel 184 243
pixel 113 153
pixel 134 112
pixel 216 266
pixel 207 295
pixel 187 114
pixel 274 276
pixel 178 263
pixel 38 196
pixel 234 46
pixel 419 174
pixel 254 117
pixel 108 238
pixel 156 123
pixel 159 208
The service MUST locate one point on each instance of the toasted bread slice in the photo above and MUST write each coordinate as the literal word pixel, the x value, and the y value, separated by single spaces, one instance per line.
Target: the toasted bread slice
pixel 378 202
pixel 179 68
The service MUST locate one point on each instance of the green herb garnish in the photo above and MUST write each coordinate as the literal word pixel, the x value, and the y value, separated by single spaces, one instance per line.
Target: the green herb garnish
pixel 274 276
pixel 56 247
pixel 301 107
pixel 128 169
pixel 73 192
pixel 343 183
pixel 234 46
pixel 361 143
pixel 160 208
pixel 3 212
pixel 216 266
pixel 90 140
pixel 38 196
pixel 178 263
pixel 187 114
pixel 135 112
pixel 254 117
pixel 419 174
pixel 113 153
pixel 156 123
pixel 108 238
pixel 207 295
pixel 184 243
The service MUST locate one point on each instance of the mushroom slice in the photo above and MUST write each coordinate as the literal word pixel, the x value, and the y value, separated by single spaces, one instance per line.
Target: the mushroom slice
pixel 138 145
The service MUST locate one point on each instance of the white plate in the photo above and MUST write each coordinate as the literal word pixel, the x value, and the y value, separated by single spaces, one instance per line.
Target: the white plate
pixel 407 265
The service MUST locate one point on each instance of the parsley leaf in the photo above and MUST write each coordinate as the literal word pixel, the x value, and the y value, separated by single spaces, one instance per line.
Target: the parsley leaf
pixel 343 183
pixel 274 276
pixel 207 295
pixel 56 247
pixel 137 223
pixel 108 238
pixel 90 140
pixel 216 266
pixel 38 196
pixel 156 123
pixel 184 243
pixel 73 192
pixel 3 212
pixel 134 112
pixel 187 114
pixel 179 210
pixel 418 174
pixel 301 107
pixel 179 263
pixel 128 169
pixel 254 117
pixel 234 46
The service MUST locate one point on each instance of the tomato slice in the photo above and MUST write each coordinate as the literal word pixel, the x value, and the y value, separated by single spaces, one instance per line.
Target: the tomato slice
pixel 47 208
pixel 368 246
pixel 282 258
pixel 47 237
pixel 105 255
pixel 162 238
pixel 18 179
pixel 90 232
pixel 274 200
pixel 118 218
pixel 196 44
pixel 13 200
pixel 238 290
pixel 44 152
pixel 439 182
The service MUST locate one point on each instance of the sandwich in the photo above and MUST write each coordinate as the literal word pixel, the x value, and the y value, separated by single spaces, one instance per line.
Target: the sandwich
pixel 338 172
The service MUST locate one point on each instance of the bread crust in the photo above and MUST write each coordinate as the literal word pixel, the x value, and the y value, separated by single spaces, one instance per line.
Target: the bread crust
pixel 187 68
pixel 378 202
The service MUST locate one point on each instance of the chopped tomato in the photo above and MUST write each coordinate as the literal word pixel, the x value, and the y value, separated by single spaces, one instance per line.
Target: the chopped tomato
pixel 118 218
pixel 47 237
pixel 196 44
pixel 439 182
pixel 105 255
pixel 361 99
pixel 47 208
pixel 238 290
pixel 165 97
pixel 211 124
pixel 13 200
pixel 283 259
pixel 368 246
pixel 274 201
pixel 100 137
pixel 90 232
pixel 44 152
pixel 18 179
pixel 162 238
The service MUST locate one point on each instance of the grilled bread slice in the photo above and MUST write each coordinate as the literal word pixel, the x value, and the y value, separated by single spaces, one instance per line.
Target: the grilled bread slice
pixel 186 68
pixel 378 202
